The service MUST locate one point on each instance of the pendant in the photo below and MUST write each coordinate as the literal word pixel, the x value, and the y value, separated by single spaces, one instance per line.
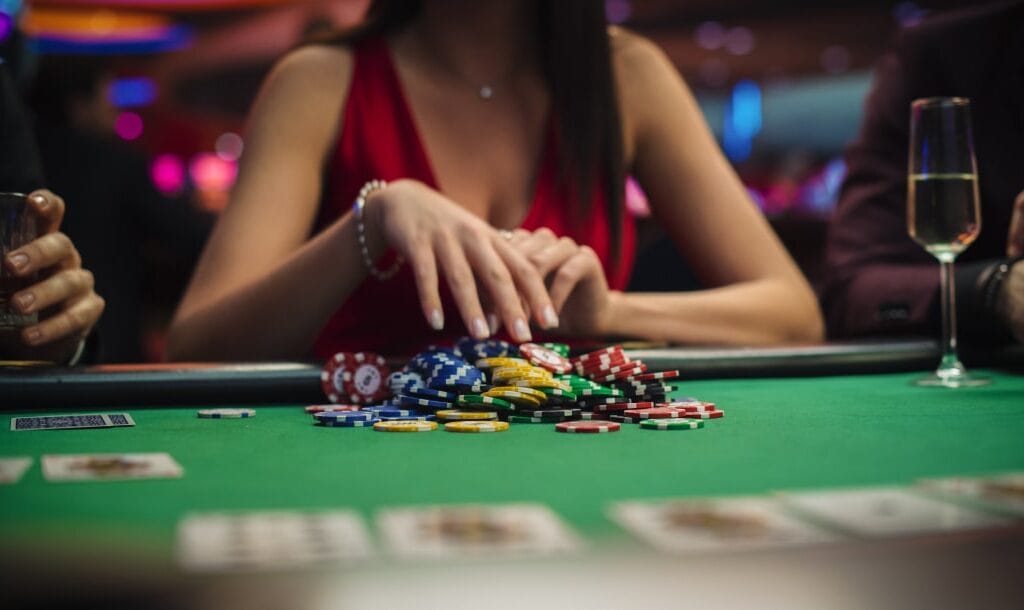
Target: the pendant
pixel 486 92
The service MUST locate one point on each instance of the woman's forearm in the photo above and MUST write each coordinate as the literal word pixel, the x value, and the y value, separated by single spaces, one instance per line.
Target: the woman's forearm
pixel 279 314
pixel 761 312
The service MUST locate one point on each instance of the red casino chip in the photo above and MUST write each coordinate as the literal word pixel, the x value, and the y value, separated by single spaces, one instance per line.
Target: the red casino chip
pixel 332 408
pixel 601 363
pixel 332 376
pixel 545 358
pixel 690 406
pixel 655 413
pixel 594 426
pixel 656 376
pixel 355 377
pixel 626 371
pixel 714 414
pixel 606 352
pixel 366 383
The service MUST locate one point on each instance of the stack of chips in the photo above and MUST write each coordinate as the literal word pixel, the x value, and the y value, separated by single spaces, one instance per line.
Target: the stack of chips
pixel 483 386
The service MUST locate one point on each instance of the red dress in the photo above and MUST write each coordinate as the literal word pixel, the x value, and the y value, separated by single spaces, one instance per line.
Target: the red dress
pixel 379 140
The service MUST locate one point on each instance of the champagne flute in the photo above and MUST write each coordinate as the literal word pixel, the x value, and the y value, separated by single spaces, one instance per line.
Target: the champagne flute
pixel 943 211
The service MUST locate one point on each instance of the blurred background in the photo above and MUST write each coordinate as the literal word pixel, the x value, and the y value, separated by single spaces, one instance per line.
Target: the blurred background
pixel 140 111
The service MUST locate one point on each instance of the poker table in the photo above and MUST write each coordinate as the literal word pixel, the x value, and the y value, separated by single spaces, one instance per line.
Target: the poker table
pixel 852 418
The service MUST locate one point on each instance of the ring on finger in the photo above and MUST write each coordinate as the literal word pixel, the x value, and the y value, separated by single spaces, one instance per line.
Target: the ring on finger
pixel 506 234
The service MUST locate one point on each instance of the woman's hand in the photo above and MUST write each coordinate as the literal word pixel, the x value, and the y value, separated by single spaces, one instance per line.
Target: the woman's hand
pixel 63 294
pixel 433 233
pixel 575 279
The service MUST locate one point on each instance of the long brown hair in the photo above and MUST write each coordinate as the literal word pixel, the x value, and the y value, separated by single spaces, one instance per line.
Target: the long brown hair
pixel 576 62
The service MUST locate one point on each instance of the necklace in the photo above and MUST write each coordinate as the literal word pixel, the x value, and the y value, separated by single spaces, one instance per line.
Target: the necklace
pixel 486 92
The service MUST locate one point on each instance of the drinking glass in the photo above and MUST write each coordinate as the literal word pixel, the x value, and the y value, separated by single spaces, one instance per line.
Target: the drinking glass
pixel 17 228
pixel 943 211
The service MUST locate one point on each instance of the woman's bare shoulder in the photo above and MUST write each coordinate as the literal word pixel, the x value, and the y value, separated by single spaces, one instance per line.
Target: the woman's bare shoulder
pixel 319 63
pixel 635 54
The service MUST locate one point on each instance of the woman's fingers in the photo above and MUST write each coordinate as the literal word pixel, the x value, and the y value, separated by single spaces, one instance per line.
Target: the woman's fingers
pixel 498 280
pixel 75 320
pixel 579 267
pixel 529 283
pixel 423 263
pixel 459 274
pixel 553 256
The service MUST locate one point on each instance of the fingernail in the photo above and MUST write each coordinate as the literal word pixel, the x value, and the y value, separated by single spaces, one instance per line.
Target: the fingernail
pixel 33 336
pixel 480 328
pixel 436 319
pixel 550 317
pixel 25 301
pixel 18 260
pixel 522 330
pixel 40 201
pixel 493 322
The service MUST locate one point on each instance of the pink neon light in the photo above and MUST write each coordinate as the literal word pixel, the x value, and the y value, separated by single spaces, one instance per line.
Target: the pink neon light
pixel 129 126
pixel 168 174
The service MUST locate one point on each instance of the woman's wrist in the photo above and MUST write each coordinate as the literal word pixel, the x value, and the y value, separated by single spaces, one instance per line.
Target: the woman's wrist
pixel 367 210
pixel 618 310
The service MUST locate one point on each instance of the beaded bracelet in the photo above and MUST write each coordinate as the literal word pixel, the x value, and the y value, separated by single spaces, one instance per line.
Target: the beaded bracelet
pixel 381 274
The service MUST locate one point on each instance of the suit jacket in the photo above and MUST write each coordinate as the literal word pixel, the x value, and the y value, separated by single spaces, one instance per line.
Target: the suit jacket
pixel 877 280
pixel 19 160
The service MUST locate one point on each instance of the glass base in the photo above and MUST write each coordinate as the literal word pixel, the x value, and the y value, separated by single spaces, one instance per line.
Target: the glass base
pixel 955 378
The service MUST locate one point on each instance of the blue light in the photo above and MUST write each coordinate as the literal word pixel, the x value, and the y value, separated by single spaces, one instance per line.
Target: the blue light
pixel 742 120
pixel 132 92
pixel 174 39
pixel 10 7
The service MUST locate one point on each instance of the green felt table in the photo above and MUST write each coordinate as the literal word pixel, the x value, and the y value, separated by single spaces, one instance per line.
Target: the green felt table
pixel 777 434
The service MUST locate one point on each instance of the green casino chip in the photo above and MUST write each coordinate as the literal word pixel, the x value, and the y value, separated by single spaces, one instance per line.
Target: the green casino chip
pixel 476 399
pixel 671 424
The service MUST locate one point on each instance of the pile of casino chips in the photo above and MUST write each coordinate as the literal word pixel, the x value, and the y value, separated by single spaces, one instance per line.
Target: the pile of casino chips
pixel 484 386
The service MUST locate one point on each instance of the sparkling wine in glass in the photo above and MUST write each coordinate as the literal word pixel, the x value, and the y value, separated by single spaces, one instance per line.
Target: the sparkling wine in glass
pixel 943 210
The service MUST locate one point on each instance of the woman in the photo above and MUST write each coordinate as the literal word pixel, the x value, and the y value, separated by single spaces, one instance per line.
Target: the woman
pixel 490 121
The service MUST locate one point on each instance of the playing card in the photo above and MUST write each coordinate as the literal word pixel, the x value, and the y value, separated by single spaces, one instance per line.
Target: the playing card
pixel 475 530
pixel 271 540
pixel 715 524
pixel 887 511
pixel 71 422
pixel 11 469
pixel 1002 493
pixel 110 467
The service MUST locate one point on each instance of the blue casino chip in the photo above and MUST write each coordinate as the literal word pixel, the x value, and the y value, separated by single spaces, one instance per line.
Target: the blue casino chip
pixel 433 394
pixel 348 423
pixel 344 416
pixel 422 403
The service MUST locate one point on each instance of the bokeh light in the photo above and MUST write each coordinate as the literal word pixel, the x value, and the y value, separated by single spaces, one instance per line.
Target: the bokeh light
pixel 740 41
pixel 710 35
pixel 211 173
pixel 229 146
pixel 168 174
pixel 132 92
pixel 128 126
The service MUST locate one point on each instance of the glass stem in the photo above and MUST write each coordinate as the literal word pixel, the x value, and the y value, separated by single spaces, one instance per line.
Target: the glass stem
pixel 950 362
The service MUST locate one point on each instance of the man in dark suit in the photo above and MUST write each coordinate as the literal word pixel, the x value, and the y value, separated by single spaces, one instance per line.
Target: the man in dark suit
pixel 878 280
